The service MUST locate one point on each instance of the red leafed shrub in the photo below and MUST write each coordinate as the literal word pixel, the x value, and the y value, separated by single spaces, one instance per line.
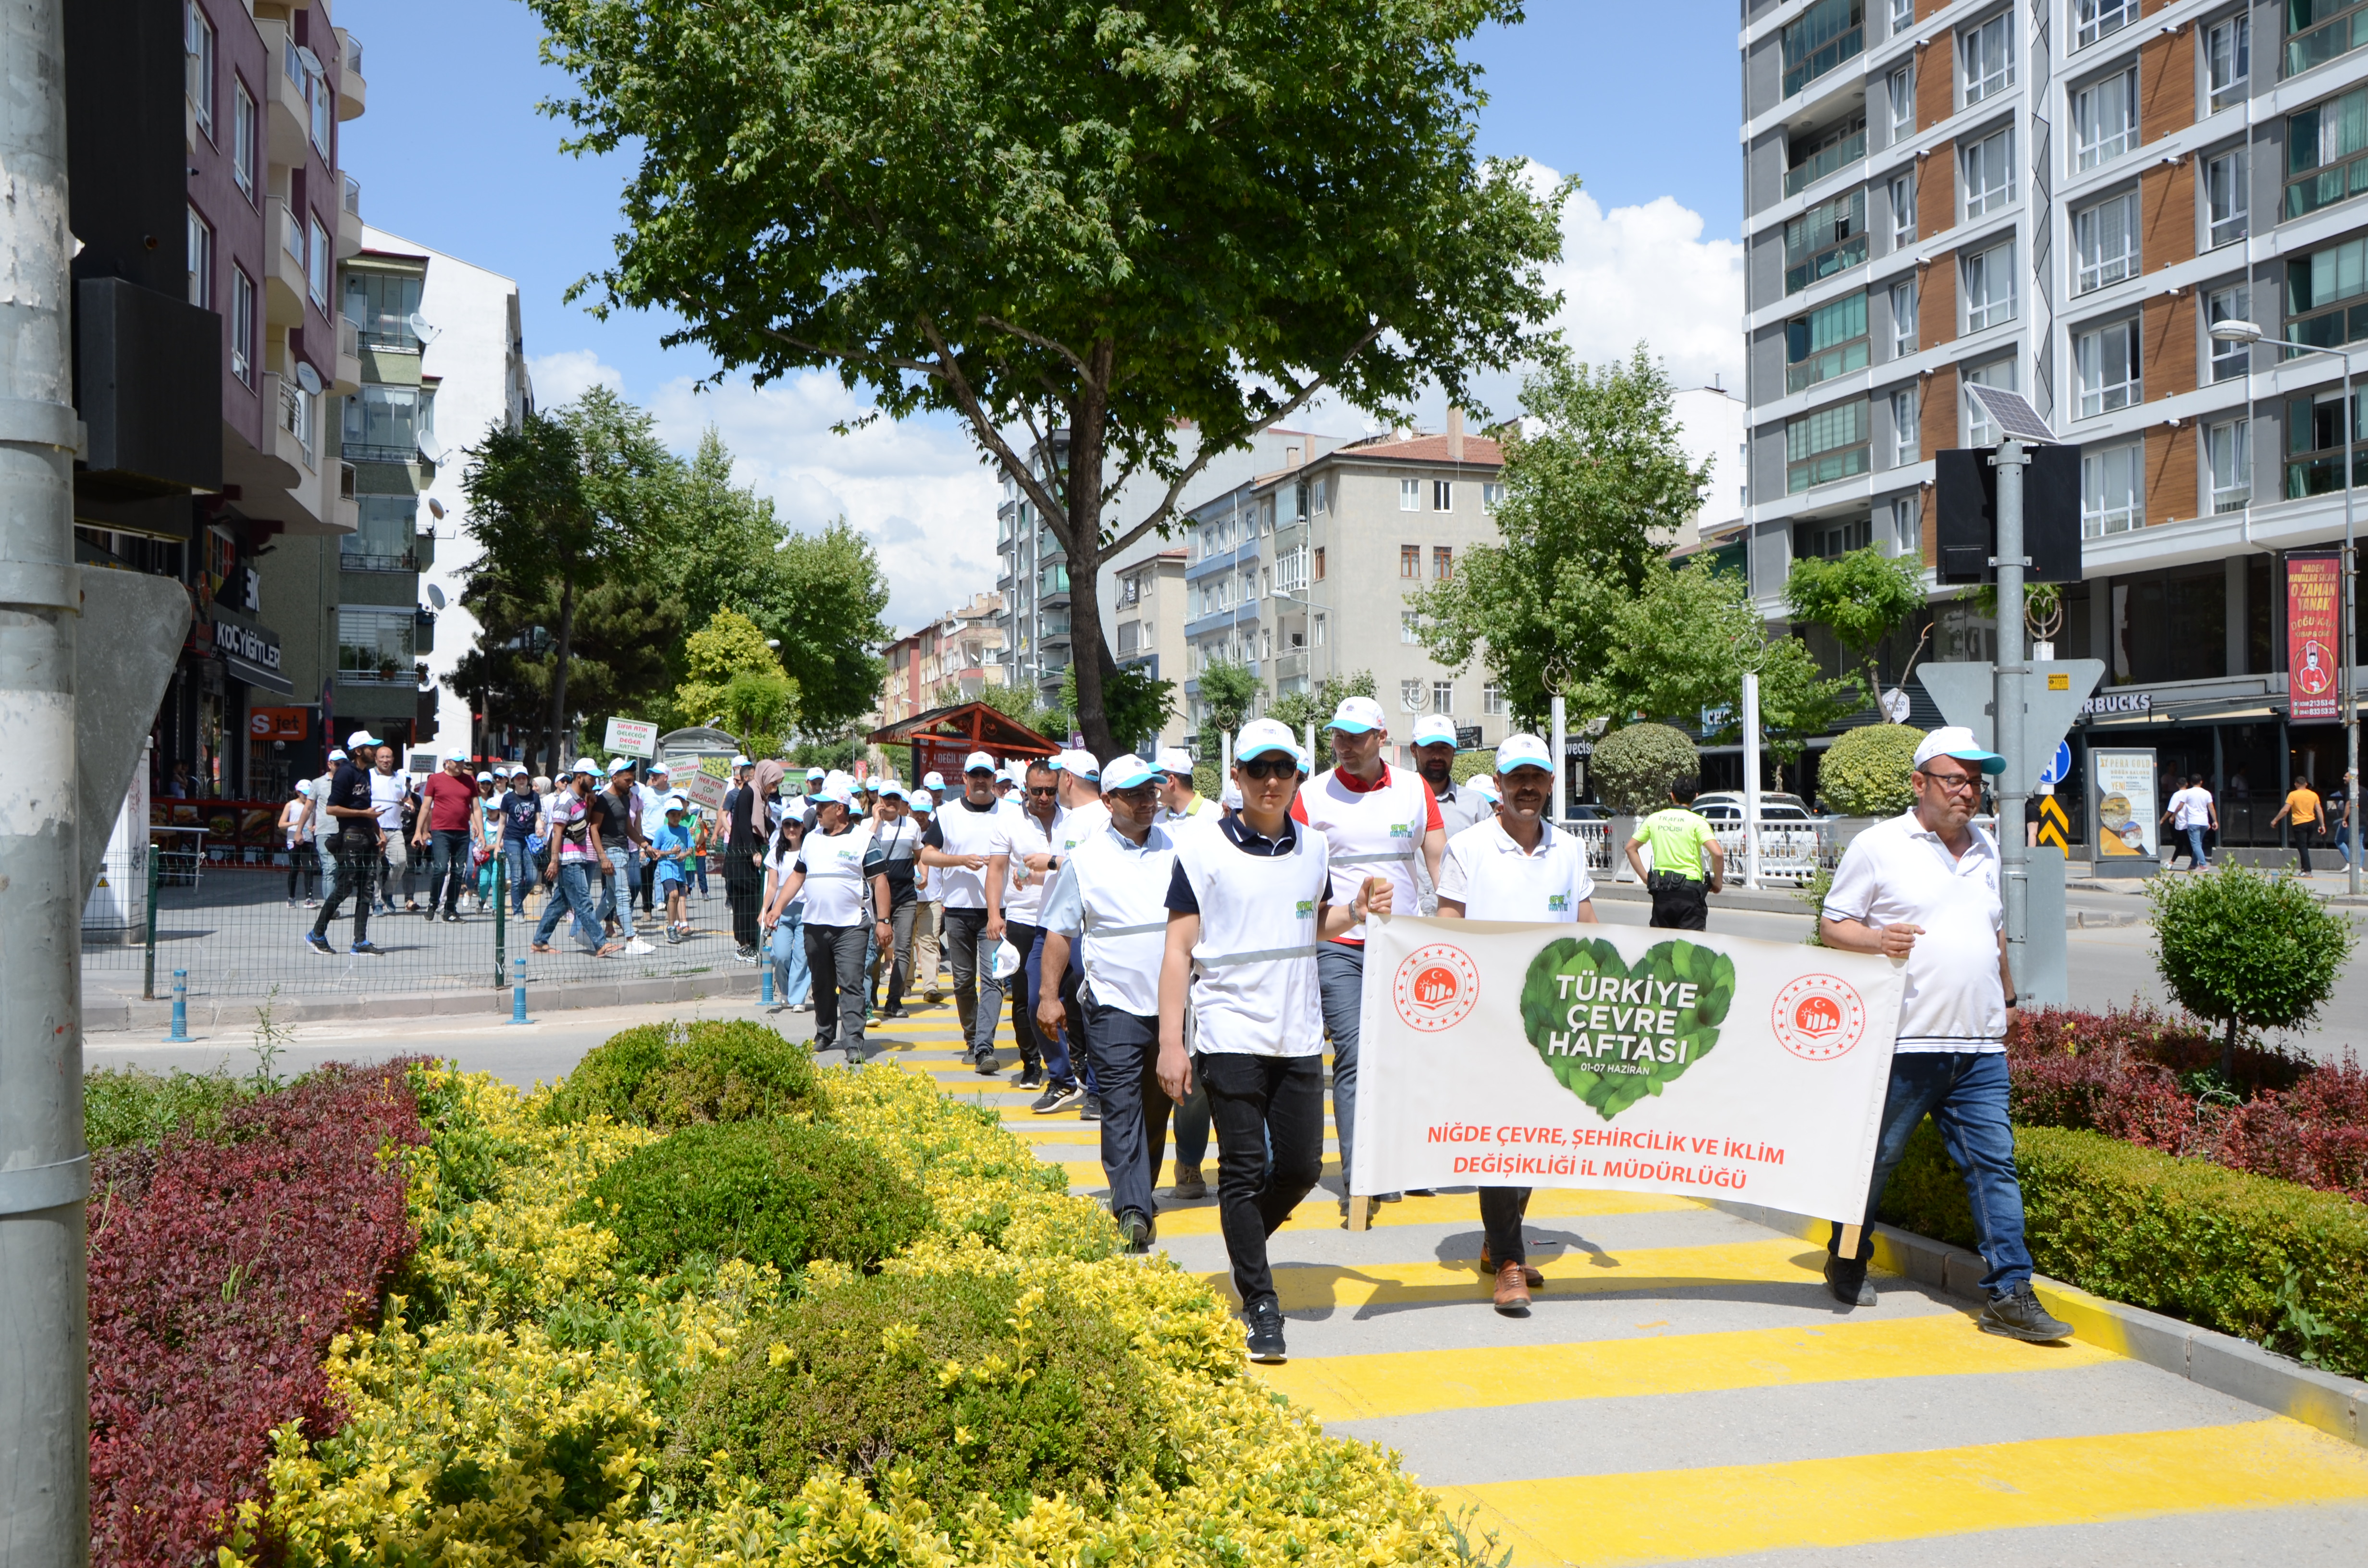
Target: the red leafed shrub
pixel 2152 1079
pixel 219 1269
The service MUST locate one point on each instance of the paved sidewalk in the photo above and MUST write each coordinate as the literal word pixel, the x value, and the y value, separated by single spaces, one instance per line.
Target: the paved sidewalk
pixel 1685 1391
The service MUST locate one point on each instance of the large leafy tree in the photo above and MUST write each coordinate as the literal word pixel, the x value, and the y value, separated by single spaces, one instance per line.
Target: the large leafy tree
pixel 825 613
pixel 1149 228
pixel 730 673
pixel 1592 496
pixel 1861 597
pixel 572 500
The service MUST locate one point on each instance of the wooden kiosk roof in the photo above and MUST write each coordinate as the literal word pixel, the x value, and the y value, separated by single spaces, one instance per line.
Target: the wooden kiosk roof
pixel 974 725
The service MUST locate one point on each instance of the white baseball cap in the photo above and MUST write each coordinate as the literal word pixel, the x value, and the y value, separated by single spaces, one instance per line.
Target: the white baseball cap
pixel 303 786
pixel 659 768
pixel 816 773
pixel 339 755
pixel 1126 772
pixel 1232 797
pixel 840 793
pixel 921 804
pixel 741 762
pixel 1957 741
pixel 1262 735
pixel 1486 787
pixel 623 764
pixel 978 762
pixel 1433 729
pixel 933 781
pixel 362 738
pixel 677 804
pixel 1356 715
pixel 1175 759
pixel 585 764
pixel 1083 764
pixel 893 788
pixel 1523 751
pixel 485 778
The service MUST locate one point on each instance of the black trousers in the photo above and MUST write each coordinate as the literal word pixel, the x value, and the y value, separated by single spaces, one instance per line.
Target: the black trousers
pixel 1501 1209
pixel 1679 904
pixel 1027 938
pixel 1253 1101
pixel 358 865
pixel 1134 1108
pixel 649 883
pixel 835 958
pixel 743 888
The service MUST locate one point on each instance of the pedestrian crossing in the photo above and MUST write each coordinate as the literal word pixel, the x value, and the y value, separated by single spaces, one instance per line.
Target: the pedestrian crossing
pixel 1685 1391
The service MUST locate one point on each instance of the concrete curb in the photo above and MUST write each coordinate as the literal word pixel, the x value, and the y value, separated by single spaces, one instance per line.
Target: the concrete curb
pixel 2220 1362
pixel 132 1015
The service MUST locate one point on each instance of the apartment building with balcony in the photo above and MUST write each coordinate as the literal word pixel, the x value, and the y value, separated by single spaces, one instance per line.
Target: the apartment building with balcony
pixel 203 163
pixel 951 659
pixel 2061 197
pixel 1304 573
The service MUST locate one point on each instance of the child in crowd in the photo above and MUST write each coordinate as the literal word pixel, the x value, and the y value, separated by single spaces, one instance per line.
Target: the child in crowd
pixel 670 848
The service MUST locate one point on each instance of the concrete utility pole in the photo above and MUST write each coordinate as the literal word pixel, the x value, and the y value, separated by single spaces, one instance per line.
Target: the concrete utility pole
pixel 1751 778
pixel 44 1170
pixel 2014 854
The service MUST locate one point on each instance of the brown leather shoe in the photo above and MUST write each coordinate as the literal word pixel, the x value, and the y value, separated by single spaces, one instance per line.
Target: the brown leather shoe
pixel 1530 1277
pixel 1512 1293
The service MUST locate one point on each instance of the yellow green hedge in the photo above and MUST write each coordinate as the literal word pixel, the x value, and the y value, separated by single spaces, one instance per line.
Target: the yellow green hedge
pixel 519 1418
pixel 2251 1255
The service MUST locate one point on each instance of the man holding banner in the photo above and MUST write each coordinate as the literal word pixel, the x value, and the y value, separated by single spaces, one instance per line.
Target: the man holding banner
pixel 1247 906
pixel 1924 887
pixel 1515 865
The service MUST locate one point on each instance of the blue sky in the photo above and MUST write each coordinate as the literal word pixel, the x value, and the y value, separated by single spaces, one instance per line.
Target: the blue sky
pixel 453 153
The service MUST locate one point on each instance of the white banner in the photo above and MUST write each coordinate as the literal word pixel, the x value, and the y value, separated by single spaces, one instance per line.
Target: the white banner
pixel 1621 1057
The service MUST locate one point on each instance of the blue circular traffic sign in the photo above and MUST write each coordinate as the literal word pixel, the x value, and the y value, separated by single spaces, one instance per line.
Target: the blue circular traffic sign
pixel 2059 766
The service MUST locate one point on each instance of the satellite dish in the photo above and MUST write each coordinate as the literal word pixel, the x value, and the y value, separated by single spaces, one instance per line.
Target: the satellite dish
pixel 420 329
pixel 435 596
pixel 307 376
pixel 436 508
pixel 430 447
pixel 310 60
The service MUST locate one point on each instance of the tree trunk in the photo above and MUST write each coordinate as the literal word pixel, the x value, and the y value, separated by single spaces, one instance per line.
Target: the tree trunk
pixel 559 669
pixel 1087 655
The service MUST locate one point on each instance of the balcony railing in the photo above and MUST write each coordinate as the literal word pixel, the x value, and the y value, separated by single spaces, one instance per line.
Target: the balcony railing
pixel 349 338
pixel 1850 148
pixel 1831 54
pixel 373 452
pixel 2329 39
pixel 1825 365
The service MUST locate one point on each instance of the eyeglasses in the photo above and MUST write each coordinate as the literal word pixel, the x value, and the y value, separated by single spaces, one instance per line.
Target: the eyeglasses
pixel 1271 767
pixel 1139 794
pixel 1046 791
pixel 1961 783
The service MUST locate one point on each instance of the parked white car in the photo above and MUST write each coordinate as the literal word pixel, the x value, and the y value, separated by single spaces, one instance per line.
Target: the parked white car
pixel 1789 835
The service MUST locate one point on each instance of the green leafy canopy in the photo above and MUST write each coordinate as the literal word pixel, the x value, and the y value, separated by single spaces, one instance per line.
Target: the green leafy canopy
pixel 2237 947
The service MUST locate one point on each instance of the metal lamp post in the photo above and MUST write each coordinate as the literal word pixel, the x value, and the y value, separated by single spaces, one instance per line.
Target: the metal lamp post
pixel 2235 331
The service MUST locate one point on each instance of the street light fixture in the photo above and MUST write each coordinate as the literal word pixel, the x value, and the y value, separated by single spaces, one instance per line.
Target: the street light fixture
pixel 2232 330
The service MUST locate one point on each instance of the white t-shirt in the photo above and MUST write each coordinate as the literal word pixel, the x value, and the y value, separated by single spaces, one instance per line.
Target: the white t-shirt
pixel 962 830
pixel 1898 870
pixel 387 791
pixel 1494 879
pixel 835 881
pixel 781 861
pixel 1255 990
pixel 2192 807
pixel 1025 902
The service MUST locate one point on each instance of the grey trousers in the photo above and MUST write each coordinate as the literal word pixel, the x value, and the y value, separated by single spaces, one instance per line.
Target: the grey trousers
pixel 978 995
pixel 835 956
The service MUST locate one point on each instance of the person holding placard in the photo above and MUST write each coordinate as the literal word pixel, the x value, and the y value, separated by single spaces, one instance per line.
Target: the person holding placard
pixel 1515 865
pixel 1247 906
pixel 1923 887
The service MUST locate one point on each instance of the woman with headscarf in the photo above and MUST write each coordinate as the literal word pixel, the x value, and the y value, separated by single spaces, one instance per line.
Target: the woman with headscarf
pixel 749 814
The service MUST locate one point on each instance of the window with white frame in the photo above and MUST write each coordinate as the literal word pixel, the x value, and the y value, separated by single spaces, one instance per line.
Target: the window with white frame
pixel 2225 197
pixel 2228 359
pixel 1903 211
pixel 316 266
pixel 2092 19
pixel 1491 495
pixel 198 41
pixel 1442 697
pixel 322 103
pixel 1989 174
pixel 242 324
pixel 1907 526
pixel 2112 497
pixel 1903 318
pixel 1900 86
pixel 2105 243
pixel 1492 699
pixel 1443 495
pixel 1989 286
pixel 1409 627
pixel 1987 51
pixel 2229 58
pixel 1903 16
pixel 2228 455
pixel 1907 444
pixel 2105 118
pixel 202 261
pixel 1410 696
pixel 2107 358
pixel 242 138
pixel 1409 494
pixel 1979 431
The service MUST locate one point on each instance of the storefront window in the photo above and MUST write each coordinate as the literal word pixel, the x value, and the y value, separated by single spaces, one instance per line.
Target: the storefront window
pixel 2170 626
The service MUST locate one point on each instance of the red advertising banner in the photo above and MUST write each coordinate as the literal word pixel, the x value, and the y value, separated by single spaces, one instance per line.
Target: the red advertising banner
pixel 2314 637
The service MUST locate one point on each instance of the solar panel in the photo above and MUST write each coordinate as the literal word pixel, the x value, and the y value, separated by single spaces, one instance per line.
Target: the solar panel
pixel 2012 413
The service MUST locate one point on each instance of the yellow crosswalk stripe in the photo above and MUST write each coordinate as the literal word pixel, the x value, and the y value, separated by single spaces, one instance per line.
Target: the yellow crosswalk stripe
pixel 1677 1515
pixel 1322 1210
pixel 1360 1388
pixel 1309 1287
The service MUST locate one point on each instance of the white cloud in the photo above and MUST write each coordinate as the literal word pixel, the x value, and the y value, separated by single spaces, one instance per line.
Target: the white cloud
pixel 1646 274
pixel 568 375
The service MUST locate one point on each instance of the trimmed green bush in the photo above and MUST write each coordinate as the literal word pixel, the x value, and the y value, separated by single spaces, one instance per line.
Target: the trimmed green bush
pixel 978 1384
pixel 2249 1255
pixel 2244 951
pixel 124 1106
pixel 1865 773
pixel 778 1192
pixel 676 1074
pixel 1471 765
pixel 1633 767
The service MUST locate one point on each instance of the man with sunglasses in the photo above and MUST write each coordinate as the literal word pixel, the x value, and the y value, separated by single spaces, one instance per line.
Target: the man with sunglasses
pixel 1923 887
pixel 1083 814
pixel 1375 820
pixel 1111 906
pixel 969 840
pixel 1045 1052
pixel 1247 905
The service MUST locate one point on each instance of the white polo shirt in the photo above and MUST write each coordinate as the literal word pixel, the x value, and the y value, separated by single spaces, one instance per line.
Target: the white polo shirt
pixel 959 828
pixel 1898 870
pixel 1496 879
pixel 834 885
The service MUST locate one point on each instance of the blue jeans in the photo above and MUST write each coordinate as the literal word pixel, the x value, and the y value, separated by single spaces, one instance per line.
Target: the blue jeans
pixel 699 869
pixel 1059 1071
pixel 616 895
pixel 1340 971
pixel 1964 1092
pixel 792 978
pixel 1125 1048
pixel 2195 845
pixel 519 867
pixel 571 892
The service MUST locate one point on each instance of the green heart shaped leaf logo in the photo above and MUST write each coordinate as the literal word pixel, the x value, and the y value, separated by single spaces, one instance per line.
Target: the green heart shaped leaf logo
pixel 1613 1032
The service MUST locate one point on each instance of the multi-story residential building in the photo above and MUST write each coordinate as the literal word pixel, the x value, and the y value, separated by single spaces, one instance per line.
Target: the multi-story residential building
pixel 2060 198
pixel 962 649
pixel 1304 573
pixel 1712 430
pixel 468 354
pixel 202 146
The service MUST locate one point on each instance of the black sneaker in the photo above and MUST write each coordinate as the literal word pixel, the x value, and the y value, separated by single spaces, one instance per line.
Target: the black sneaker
pixel 1090 1109
pixel 451 917
pixel 983 1062
pixel 1057 1097
pixel 319 944
pixel 1265 1322
pixel 2018 1316
pixel 1136 1231
pixel 367 950
pixel 886 1013
pixel 1031 1076
pixel 1389 1198
pixel 1846 1278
